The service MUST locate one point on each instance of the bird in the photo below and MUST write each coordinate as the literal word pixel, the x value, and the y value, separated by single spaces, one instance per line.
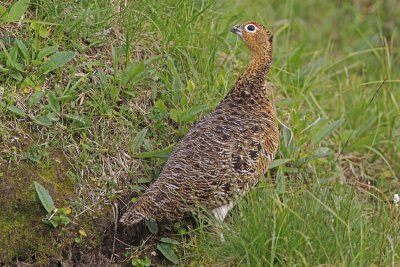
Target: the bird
pixel 225 153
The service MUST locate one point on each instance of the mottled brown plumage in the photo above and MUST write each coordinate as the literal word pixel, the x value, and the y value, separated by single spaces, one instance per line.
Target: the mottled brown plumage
pixel 226 152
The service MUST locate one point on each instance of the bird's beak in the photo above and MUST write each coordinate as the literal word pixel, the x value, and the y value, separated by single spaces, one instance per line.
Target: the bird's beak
pixel 236 29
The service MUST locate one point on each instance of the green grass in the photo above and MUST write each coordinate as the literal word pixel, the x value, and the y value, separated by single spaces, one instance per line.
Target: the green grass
pixel 320 225
pixel 115 86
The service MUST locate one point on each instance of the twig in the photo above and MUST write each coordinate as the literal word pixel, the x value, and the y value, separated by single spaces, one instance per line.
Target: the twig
pixel 115 211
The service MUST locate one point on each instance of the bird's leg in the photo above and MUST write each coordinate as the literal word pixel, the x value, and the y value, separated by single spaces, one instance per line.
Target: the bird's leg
pixel 220 214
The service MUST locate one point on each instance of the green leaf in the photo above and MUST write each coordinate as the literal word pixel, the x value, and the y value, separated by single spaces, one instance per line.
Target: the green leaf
pixel 64 211
pixel 152 226
pixel 169 241
pixel 187 115
pixel 53 102
pixel 53 116
pixel 144 180
pixel 132 72
pixel 53 223
pixel 325 131
pixel 24 51
pixel 3 13
pixel 80 118
pixel 42 120
pixel 44 197
pixel 9 57
pixel 168 252
pixel 278 162
pixel 17 111
pixel 82 233
pixel 43 31
pixel 35 98
pixel 4 70
pixel 61 219
pixel 56 61
pixel 161 106
pixel 138 140
pixel 141 263
pixel 17 10
pixel 56 220
pixel 147 262
pixel 147 145
pixel 135 71
pixel 321 152
pixel 163 153
pixel 16 75
pixel 14 52
pixel 48 50
pixel 130 93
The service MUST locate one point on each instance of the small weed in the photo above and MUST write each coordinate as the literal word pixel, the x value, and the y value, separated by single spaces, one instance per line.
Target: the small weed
pixel 152 226
pixel 81 237
pixel 166 247
pixel 54 216
pixel 141 263
pixel 36 154
pixel 14 12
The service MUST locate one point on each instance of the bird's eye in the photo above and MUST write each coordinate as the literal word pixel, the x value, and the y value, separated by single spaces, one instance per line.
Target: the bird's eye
pixel 250 28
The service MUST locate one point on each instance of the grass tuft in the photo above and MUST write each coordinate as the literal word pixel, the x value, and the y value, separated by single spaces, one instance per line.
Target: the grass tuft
pixel 310 226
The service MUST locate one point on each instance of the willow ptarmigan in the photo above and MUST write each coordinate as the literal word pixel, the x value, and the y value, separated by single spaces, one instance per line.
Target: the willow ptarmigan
pixel 225 153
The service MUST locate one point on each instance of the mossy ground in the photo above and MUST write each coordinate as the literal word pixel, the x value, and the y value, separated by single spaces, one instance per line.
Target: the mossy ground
pixel 24 235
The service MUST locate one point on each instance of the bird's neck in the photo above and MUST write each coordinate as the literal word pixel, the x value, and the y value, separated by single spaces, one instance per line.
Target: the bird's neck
pixel 251 82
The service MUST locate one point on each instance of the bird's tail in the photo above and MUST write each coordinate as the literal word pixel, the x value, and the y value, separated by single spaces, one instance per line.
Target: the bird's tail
pixel 132 216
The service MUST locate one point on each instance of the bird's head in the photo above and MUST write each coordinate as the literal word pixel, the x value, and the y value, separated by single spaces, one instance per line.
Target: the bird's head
pixel 256 37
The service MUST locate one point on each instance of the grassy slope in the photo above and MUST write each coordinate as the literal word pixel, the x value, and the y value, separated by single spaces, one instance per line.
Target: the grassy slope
pixel 330 59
